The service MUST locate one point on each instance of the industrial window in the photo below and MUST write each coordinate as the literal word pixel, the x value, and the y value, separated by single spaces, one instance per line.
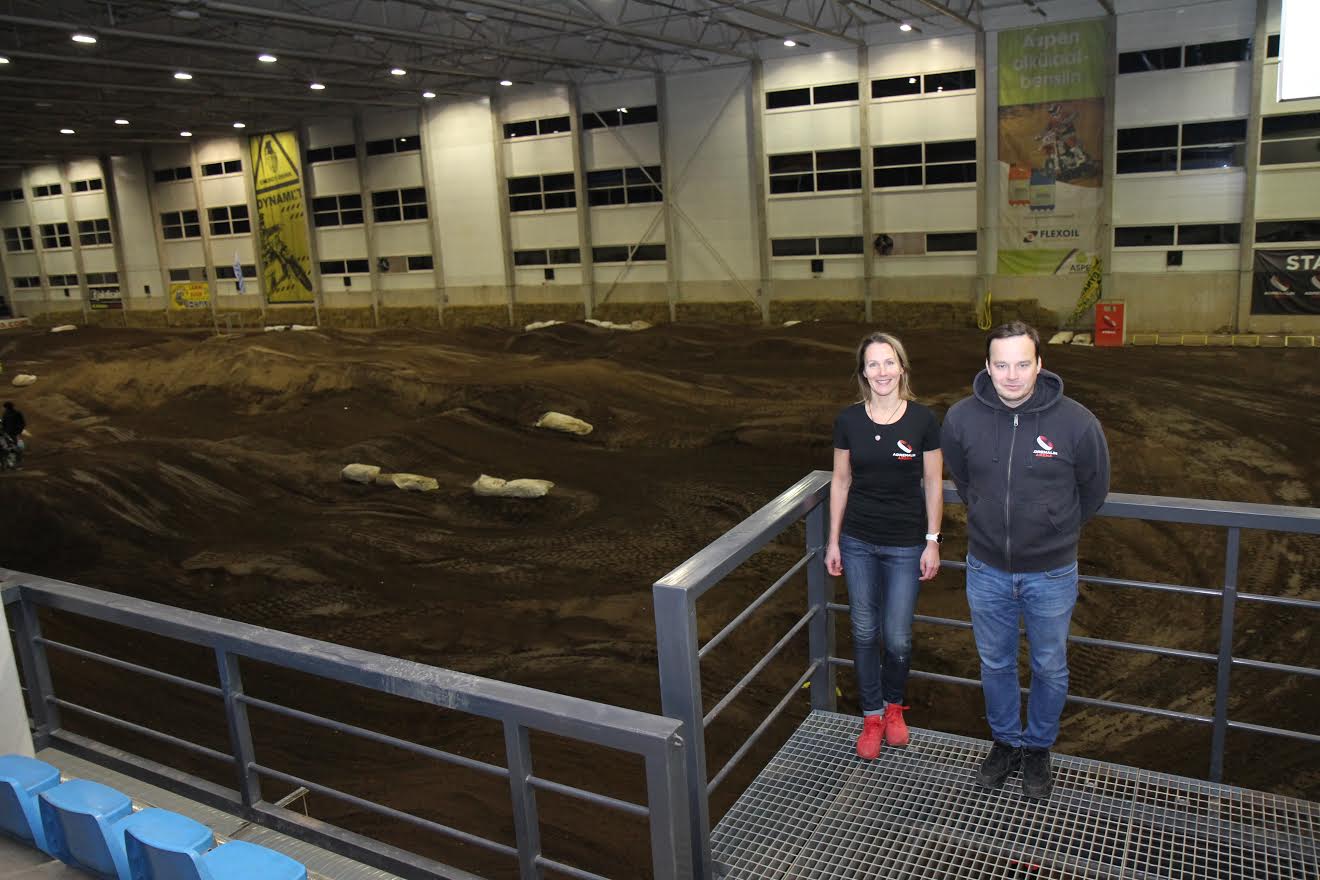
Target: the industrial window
pixel 397 205
pixel 1193 145
pixel 180 224
pixel 229 166
pixel 330 154
pixel 1223 52
pixel 548 257
pixel 821 171
pixel 1290 139
pixel 1272 46
pixel 1143 236
pixel 165 175
pixel 409 144
pixel 1142 60
pixel 1194 55
pixel 197 273
pixel 951 242
pixel 1277 231
pixel 227 272
pixel 823 246
pixel 532 127
pixel 421 263
pixel 346 267
pixel 94 232
pixel 229 220
pixel 624 186
pixel 1190 234
pixel 342 210
pixel 542 192
pixel 18 239
pixel 895 86
pixel 1183 234
pixel 953 81
pixel 63 280
pixel 27 281
pixel 102 278
pixel 44 190
pixel 11 195
pixel 929 164
pixel 55 235
pixel 620 116
pixel 828 94
pixel 624 253
pixel 91 184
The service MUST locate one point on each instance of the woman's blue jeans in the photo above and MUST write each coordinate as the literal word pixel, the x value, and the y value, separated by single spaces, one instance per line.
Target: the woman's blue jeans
pixel 1045 601
pixel 882 597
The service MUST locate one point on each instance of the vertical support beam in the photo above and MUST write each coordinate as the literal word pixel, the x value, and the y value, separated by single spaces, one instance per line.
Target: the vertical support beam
pixel 756 152
pixel 153 205
pixel 667 799
pixel 203 220
pixel 79 266
pixel 38 247
pixel 868 179
pixel 680 698
pixel 666 173
pixel 116 229
pixel 506 222
pixel 987 130
pixel 1110 160
pixel 36 673
pixel 368 214
pixel 258 256
pixel 309 193
pixel 585 240
pixel 526 824
pixel 15 735
pixel 820 632
pixel 8 276
pixel 240 732
pixel 432 212
pixel 1225 668
pixel 1247 249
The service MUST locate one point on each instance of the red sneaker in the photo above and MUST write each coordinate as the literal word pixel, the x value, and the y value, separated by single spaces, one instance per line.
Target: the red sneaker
pixel 896 732
pixel 872 738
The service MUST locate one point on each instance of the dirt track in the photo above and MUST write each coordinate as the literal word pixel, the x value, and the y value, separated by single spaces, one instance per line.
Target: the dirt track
pixel 203 472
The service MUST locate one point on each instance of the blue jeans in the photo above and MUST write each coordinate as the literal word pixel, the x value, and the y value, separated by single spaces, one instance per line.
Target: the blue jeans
pixel 1045 600
pixel 882 596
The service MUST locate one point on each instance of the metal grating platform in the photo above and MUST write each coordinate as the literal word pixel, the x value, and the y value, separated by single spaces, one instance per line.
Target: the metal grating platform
pixel 818 812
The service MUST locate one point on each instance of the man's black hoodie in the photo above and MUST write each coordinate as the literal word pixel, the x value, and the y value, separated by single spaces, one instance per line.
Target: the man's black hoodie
pixel 1030 475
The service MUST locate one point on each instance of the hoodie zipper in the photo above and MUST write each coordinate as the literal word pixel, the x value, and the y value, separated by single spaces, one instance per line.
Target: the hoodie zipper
pixel 1008 494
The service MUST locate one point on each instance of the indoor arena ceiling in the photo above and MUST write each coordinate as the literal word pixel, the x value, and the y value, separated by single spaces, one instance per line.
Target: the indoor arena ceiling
pixel 82 65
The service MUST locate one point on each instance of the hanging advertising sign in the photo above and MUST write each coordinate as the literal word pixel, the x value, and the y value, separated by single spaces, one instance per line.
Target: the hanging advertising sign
pixel 286 254
pixel 1286 282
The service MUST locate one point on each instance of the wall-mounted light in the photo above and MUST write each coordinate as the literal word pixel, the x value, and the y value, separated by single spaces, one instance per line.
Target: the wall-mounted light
pixel 185 134
pixel 506 82
pixel 398 71
pixel 240 125
pixel 66 131
pixel 85 38
pixel 428 95
pixel 121 122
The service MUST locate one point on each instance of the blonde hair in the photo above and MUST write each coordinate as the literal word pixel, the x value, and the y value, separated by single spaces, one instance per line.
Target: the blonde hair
pixel 904 382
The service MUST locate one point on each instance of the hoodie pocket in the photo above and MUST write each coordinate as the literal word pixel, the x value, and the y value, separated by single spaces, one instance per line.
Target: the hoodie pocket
pixel 1066 518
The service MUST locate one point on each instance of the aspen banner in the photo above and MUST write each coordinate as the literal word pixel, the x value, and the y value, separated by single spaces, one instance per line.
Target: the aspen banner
pixel 1051 133
pixel 282 218
pixel 190 295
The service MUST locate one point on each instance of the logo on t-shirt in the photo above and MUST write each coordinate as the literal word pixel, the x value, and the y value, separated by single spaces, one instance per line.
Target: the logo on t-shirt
pixel 1046 448
pixel 905 452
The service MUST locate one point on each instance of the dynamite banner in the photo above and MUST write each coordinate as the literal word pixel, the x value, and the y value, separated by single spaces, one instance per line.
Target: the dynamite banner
pixel 1286 282
pixel 282 218
pixel 189 295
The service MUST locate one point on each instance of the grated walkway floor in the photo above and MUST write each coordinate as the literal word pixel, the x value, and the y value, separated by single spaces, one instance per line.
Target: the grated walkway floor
pixel 817 812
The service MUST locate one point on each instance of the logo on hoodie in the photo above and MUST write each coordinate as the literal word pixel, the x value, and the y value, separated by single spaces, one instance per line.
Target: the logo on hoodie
pixel 905 452
pixel 1046 449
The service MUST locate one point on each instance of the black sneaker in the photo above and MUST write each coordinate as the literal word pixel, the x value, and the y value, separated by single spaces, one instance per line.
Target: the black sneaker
pixel 1002 760
pixel 1037 781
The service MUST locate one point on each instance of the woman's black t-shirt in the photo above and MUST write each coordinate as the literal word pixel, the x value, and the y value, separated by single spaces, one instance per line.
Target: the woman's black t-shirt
pixel 885 502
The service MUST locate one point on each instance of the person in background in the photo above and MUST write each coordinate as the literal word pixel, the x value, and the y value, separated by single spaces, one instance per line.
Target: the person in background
pixel 12 424
pixel 1032 466
pixel 886 503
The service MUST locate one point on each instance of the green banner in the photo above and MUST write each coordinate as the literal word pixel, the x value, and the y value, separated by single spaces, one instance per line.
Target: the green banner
pixel 1058 62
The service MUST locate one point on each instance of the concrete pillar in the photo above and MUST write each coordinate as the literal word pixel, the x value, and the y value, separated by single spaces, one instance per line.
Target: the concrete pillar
pixel 15 737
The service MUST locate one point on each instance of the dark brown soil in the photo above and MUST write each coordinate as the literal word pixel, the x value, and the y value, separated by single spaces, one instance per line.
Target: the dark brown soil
pixel 204 472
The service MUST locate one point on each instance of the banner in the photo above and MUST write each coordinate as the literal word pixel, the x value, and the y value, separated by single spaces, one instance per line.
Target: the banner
pixel 281 218
pixel 1286 282
pixel 189 295
pixel 105 298
pixel 1051 148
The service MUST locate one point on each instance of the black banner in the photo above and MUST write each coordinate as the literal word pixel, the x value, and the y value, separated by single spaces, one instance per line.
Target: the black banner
pixel 1286 283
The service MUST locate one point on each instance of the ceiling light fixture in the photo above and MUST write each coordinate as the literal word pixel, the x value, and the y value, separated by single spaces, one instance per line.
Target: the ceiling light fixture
pixel 84 38
pixel 428 95
pixel 790 43
pixel 905 27
pixel 185 134
pixel 240 125
pixel 186 14
pixel 317 87
pixel 66 131
pixel 506 82
pixel 398 71
pixel 121 122
pixel 267 58
pixel 182 75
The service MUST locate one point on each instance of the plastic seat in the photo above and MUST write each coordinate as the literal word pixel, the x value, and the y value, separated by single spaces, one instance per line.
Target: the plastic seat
pixel 22 779
pixel 165 847
pixel 236 860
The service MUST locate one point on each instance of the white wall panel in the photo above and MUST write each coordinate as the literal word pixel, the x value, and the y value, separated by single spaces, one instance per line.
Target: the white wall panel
pixel 90 205
pixel 929 210
pixel 638 92
pixel 23 264
pixel 82 169
pixel 1189 95
pixel 175 196
pixel 49 210
pixel 43 175
pixel 220 149
pixel 397 171
pixel 334 178
pixel 99 259
pixel 821 68
pixel 342 244
pixel 169 156
pixel 835 267
pixel 626 224
pixel 815 215
pixel 534 276
pixel 535 102
pixel 1194 260
pixel 60 262
pixel 460 137
pixel 329 132
pixel 923 56
pixel 931 264
pixel 542 155
pixel 183 254
pixel 227 190
pixel 622 147
pixel 544 230
pixel 413 237
pixel 1288 193
pixel 1211 197
pixel 637 272
pixel 1139 27
pixel 933 118
pixel 377 125
pixel 14 213
pixel 137 241
pixel 817 128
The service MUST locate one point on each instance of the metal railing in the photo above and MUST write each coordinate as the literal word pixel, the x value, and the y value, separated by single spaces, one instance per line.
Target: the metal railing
pixel 659 741
pixel 680 651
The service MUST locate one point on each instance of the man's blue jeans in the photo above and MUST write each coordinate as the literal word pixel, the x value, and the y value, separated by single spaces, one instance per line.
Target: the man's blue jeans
pixel 998 601
pixel 882 596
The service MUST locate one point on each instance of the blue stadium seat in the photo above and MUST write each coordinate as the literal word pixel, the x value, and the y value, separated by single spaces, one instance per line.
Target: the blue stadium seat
pixel 167 847
pixel 21 780
pixel 236 860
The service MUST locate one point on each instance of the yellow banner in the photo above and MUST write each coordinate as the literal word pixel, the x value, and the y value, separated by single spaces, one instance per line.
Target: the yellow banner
pixel 282 218
pixel 190 295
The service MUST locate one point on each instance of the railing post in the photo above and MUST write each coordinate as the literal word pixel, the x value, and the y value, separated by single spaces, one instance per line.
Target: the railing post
pixel 1225 669
pixel 820 590
pixel 36 672
pixel 526 824
pixel 680 698
pixel 667 799
pixel 240 732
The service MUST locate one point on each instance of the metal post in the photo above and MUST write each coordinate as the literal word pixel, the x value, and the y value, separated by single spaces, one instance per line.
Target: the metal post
pixel 240 732
pixel 820 631
pixel 526 825
pixel 15 734
pixel 680 698
pixel 667 790
pixel 1225 655
pixel 36 673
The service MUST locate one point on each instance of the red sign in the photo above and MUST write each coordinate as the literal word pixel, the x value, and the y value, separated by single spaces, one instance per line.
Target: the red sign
pixel 1109 323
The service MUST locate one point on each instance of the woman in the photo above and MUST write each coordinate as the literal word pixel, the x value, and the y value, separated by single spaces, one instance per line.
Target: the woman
pixel 886 503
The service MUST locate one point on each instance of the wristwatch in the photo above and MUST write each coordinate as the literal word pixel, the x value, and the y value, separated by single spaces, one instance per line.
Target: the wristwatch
pixel 936 537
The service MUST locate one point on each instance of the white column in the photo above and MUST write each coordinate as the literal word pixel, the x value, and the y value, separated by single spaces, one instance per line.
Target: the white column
pixel 15 738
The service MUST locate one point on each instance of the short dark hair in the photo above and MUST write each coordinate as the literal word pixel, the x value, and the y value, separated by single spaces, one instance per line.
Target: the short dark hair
pixel 1012 328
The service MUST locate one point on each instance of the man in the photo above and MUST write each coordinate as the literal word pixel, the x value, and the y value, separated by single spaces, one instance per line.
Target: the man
pixel 1032 466
pixel 12 422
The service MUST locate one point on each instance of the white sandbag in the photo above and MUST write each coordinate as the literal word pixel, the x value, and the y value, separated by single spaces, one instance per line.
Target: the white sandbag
pixel 408 482
pixel 1082 339
pixel 359 473
pixel 557 421
pixel 540 325
pixel 64 328
pixel 24 379
pixel 524 488
pixel 1063 337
